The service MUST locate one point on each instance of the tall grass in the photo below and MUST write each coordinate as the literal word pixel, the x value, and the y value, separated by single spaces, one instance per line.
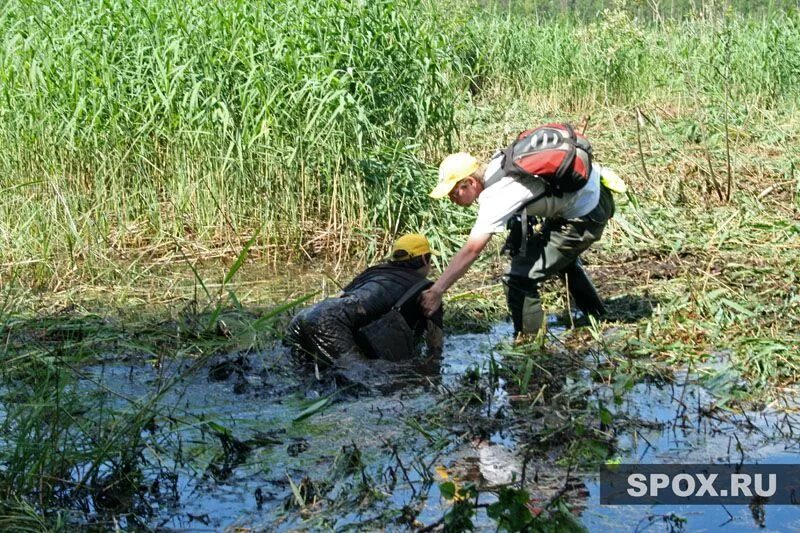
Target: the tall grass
pixel 149 120
pixel 131 127
pixel 618 59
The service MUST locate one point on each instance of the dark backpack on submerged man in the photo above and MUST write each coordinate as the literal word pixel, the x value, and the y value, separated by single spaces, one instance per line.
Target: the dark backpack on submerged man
pixel 390 337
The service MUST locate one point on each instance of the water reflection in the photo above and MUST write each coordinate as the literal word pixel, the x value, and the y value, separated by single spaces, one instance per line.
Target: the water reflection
pixel 243 472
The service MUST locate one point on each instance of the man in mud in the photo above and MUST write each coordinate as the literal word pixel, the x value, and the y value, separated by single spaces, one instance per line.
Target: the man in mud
pixel 571 223
pixel 377 315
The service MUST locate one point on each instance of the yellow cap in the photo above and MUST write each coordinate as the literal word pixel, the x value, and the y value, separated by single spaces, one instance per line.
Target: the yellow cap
pixel 453 169
pixel 410 246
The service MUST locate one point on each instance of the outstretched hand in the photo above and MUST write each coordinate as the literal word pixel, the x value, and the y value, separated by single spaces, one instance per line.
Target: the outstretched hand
pixel 430 300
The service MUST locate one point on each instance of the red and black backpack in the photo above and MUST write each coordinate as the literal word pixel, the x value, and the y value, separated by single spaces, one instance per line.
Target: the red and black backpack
pixel 554 153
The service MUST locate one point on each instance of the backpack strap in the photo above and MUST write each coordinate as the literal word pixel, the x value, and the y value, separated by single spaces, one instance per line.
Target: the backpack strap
pixel 422 284
pixel 523 245
pixel 524 220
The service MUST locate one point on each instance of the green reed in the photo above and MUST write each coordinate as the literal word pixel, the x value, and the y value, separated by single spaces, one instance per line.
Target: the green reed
pixel 129 128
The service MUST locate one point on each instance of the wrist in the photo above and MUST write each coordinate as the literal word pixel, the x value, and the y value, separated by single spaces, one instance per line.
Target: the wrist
pixel 436 291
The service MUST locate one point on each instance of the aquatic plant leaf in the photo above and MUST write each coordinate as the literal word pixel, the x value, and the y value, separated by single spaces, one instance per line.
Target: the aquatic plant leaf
pixel 737 307
pixel 240 259
pixel 298 496
pixel 510 510
pixel 312 409
pixel 447 490
pixel 605 416
pixel 526 376
pixel 563 519
pixel 256 324
pixel 413 423
pixel 235 300
pixel 217 428
pixel 197 275
pixel 724 384
pixel 596 448
pixel 212 320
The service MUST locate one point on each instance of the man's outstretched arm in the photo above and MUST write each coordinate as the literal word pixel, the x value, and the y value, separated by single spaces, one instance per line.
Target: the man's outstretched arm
pixel 431 299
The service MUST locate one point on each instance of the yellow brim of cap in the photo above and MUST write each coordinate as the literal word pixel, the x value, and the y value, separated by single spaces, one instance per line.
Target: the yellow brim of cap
pixel 453 176
pixel 442 189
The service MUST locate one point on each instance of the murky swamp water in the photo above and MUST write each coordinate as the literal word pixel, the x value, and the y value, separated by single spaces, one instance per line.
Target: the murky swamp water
pixel 234 449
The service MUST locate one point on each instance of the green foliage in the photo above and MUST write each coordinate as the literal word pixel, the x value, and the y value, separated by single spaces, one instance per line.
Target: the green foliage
pixel 313 124
pixel 447 490
pixel 624 51
pixel 188 120
pixel 510 511
pixel 459 517
pixel 313 409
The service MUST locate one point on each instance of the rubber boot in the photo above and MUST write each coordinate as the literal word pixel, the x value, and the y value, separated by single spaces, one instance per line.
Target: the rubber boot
pixel 522 296
pixel 532 316
pixel 582 290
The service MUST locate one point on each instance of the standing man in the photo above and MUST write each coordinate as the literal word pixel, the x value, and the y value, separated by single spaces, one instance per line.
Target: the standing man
pixel 572 222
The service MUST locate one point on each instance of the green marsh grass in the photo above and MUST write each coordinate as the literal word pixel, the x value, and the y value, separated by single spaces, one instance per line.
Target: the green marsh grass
pixel 129 130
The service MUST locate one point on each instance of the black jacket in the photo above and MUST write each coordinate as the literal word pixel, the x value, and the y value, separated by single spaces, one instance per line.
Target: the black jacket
pixel 379 287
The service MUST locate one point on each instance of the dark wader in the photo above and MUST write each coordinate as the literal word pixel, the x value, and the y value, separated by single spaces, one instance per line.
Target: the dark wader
pixel 324 332
pixel 555 250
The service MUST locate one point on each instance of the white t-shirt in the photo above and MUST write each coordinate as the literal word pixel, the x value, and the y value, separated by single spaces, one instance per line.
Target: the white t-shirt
pixel 503 196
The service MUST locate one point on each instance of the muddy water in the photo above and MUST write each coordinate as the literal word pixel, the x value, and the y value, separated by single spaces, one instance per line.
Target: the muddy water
pixel 677 424
pixel 232 450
